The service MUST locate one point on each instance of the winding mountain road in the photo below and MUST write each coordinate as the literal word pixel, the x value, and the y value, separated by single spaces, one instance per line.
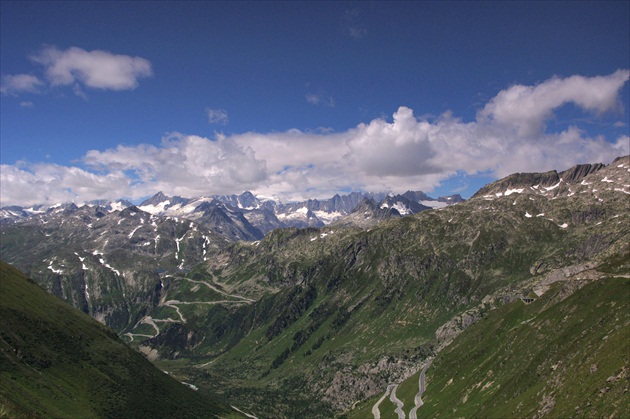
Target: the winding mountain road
pixel 173 302
pixel 391 392
pixel 181 316
pixel 215 289
pixel 149 320
pixel 399 404
pixel 246 414
pixel 238 299
pixel 422 387
pixel 375 411
pixel 131 335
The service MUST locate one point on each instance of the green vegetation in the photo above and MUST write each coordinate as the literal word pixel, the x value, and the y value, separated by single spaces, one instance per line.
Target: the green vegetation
pixel 553 357
pixel 58 362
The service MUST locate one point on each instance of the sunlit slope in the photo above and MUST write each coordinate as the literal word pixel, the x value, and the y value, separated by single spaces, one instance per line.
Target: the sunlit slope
pixel 563 355
pixel 548 358
pixel 58 362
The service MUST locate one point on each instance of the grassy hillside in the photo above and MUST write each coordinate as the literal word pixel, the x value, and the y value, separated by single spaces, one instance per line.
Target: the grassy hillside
pixel 554 357
pixel 557 359
pixel 58 362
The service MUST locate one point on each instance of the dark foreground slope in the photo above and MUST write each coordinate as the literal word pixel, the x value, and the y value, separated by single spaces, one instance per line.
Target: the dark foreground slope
pixel 58 362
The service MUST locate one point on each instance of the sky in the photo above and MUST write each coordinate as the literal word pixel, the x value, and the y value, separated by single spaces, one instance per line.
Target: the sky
pixel 296 100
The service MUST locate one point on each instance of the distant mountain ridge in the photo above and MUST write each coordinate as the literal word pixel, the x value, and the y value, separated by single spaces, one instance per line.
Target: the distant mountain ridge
pixel 253 217
pixel 267 215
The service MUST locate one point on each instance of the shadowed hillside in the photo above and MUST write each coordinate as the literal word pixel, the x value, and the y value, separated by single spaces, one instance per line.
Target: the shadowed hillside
pixel 58 362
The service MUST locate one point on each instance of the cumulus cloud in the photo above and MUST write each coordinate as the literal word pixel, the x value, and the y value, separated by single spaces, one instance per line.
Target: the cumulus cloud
pixel 41 183
pixel 19 83
pixel 401 148
pixel 406 152
pixel 526 108
pixel 217 116
pixel 184 165
pixel 95 69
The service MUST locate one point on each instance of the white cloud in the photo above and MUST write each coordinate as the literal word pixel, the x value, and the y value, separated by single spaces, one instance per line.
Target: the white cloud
pixel 96 69
pixel 405 153
pixel 217 116
pixel 526 108
pixel 184 165
pixel 19 83
pixel 41 183
pixel 401 148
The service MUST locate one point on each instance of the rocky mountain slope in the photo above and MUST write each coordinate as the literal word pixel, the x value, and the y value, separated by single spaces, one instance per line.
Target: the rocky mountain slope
pixel 110 259
pixel 57 362
pixel 312 322
pixel 564 354
pixel 107 264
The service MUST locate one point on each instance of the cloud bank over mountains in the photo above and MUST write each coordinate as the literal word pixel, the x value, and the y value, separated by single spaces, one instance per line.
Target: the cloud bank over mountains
pixel 509 135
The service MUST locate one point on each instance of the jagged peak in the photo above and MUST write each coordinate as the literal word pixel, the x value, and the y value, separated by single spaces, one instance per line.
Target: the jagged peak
pixel 451 199
pixel 365 204
pixel 247 194
pixel 130 211
pixel 155 199
pixel 576 173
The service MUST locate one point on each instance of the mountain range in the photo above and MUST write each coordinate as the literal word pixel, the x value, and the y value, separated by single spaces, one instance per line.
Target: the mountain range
pixel 347 317
pixel 246 217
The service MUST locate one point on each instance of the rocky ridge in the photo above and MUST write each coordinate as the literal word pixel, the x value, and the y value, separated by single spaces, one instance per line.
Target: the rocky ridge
pixel 567 183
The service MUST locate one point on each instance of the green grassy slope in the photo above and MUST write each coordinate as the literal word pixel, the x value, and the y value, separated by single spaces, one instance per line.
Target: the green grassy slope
pixel 558 359
pixel 58 362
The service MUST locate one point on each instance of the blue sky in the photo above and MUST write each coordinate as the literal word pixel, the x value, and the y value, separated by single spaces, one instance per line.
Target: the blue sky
pixel 304 99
